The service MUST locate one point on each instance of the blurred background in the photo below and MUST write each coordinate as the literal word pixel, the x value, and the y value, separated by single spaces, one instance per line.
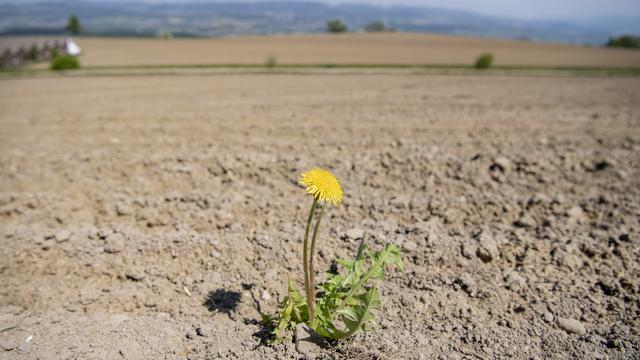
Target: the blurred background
pixel 526 33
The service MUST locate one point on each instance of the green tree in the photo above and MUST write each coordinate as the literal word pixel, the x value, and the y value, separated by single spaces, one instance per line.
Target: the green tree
pixel 336 26
pixel 73 25
pixel 626 41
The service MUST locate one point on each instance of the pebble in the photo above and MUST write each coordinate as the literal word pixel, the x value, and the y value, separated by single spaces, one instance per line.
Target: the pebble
pixel 571 326
pixel 262 239
pixel 548 317
pixel 514 280
pixel 487 248
pixel 539 198
pixel 468 250
pixel 525 221
pixel 135 276
pixel 200 332
pixel 354 234
pixel 468 284
pixel 501 163
pixel 308 342
pixel 114 244
pixel 410 246
pixel 62 236
pixel 603 330
pixel 575 215
pixel 122 210
pixel 399 202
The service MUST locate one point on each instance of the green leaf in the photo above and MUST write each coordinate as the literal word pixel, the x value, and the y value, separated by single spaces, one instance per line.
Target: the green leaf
pixel 293 310
pixel 393 257
pixel 349 301
pixel 360 317
pixel 348 313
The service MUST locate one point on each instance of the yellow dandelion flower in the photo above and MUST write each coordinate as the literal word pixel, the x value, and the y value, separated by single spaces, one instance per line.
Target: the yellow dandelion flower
pixel 322 185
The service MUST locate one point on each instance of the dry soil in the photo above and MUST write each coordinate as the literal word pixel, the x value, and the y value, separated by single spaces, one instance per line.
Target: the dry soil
pixel 157 217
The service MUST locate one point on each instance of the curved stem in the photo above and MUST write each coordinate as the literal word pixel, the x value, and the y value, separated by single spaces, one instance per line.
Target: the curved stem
pixel 312 273
pixel 305 254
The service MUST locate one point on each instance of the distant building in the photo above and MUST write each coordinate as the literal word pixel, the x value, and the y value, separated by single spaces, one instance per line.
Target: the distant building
pixel 18 55
pixel 72 48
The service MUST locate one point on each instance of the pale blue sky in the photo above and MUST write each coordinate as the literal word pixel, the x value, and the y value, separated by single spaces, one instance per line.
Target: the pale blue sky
pixel 536 9
pixel 524 9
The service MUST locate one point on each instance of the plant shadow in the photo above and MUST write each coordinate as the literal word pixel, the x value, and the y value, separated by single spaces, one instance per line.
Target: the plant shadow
pixel 221 300
pixel 264 334
pixel 227 302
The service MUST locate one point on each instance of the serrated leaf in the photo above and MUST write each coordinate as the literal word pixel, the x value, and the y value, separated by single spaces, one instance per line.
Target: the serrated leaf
pixel 347 264
pixel 349 302
pixel 349 312
pixel 347 298
pixel 360 315
pixel 293 310
pixel 393 256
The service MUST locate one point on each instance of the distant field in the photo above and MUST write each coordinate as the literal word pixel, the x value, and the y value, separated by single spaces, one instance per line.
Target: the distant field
pixel 399 48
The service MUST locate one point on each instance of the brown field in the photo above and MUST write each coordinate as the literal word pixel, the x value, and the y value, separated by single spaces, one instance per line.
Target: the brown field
pixel 400 48
pixel 156 217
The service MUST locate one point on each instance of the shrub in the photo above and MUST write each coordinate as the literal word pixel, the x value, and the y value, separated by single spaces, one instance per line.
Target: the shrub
pixel 336 26
pixel 484 61
pixel 271 61
pixel 32 54
pixel 375 26
pixel 626 41
pixel 64 62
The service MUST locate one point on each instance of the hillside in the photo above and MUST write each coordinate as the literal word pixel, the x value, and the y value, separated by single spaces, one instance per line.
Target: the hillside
pixel 203 19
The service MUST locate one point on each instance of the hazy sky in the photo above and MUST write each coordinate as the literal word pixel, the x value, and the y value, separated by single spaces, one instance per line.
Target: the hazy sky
pixel 525 9
pixel 534 9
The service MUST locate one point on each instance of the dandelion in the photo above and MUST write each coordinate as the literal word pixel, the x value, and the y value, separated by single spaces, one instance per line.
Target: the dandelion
pixel 325 188
pixel 349 298
pixel 322 185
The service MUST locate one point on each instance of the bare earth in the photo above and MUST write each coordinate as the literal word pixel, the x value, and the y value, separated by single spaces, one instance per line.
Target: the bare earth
pixel 156 217
pixel 400 48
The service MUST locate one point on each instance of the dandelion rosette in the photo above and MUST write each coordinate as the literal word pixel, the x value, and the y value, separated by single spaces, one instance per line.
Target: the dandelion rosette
pixel 322 185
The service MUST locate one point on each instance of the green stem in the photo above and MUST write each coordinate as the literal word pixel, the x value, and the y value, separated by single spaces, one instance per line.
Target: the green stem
pixel 375 266
pixel 312 273
pixel 361 319
pixel 305 247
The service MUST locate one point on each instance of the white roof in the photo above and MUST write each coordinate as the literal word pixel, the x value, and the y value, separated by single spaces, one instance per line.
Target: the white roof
pixel 73 48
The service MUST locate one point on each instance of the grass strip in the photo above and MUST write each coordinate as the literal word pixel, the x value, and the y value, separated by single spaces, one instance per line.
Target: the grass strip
pixel 167 69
